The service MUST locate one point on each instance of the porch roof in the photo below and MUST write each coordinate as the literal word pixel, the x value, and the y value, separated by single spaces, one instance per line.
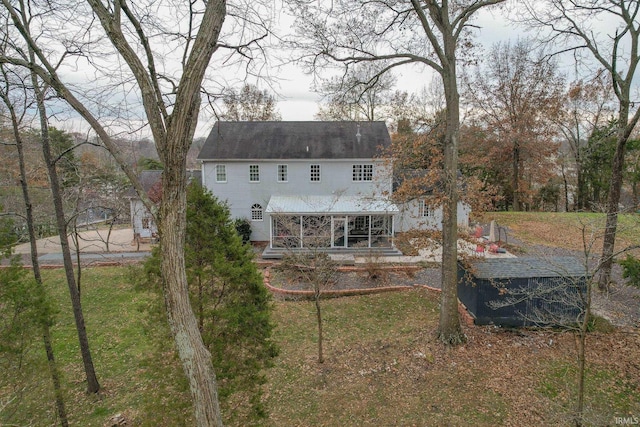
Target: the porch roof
pixel 348 205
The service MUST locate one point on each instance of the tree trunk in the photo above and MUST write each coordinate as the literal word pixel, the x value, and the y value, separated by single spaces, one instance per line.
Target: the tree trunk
pixel 319 319
pixel 613 200
pixel 582 346
pixel 111 224
pixel 582 336
pixel 195 358
pixel 581 196
pixel 515 182
pixel 565 187
pixel 449 329
pixel 76 244
pixel 46 334
pixel 92 380
pixel 55 374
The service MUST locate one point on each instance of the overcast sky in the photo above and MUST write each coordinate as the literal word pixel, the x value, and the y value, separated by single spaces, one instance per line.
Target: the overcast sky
pixel 296 101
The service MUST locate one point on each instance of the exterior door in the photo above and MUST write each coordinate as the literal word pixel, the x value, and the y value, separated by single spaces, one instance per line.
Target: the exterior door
pixel 338 238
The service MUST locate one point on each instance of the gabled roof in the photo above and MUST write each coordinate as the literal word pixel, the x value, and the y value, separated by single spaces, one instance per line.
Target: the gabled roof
pixel 295 140
pixel 152 180
pixel 148 178
pixel 528 267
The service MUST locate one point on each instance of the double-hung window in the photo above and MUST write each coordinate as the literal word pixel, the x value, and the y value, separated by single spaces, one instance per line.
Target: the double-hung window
pixel 314 173
pixel 221 173
pixel 362 172
pixel 254 173
pixel 283 173
pixel 424 210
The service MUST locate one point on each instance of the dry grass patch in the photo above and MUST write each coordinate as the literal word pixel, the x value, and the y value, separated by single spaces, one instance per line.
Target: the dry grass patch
pixel 385 367
pixel 564 230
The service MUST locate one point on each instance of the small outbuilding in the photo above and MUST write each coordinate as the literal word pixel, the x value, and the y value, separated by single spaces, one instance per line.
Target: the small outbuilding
pixel 524 291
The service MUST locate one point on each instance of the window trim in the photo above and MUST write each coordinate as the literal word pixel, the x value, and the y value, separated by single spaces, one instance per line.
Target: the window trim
pixel 256 173
pixel 285 168
pixel 224 172
pixel 146 223
pixel 361 171
pixel 424 210
pixel 257 212
pixel 313 174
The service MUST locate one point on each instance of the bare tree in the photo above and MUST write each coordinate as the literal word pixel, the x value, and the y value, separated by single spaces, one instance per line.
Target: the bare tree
pixel 397 33
pixel 360 94
pixel 170 94
pixel 614 48
pixel 249 104
pixel 15 118
pixel 306 260
pixel 93 386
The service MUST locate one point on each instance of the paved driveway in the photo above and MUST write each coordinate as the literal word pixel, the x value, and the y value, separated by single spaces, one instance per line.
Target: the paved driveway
pixel 92 241
pixel 93 248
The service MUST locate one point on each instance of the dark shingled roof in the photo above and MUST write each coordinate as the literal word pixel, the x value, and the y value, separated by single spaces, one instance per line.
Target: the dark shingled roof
pixel 295 140
pixel 527 267
pixel 149 178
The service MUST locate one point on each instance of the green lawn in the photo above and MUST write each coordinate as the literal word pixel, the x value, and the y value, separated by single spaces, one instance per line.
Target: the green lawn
pixel 131 349
pixel 384 366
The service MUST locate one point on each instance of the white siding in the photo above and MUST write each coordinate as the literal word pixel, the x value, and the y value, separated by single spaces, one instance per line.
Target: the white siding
pixel 409 219
pixel 138 213
pixel 336 178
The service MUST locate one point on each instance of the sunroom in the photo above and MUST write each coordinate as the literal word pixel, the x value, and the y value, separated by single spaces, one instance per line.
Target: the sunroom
pixel 331 222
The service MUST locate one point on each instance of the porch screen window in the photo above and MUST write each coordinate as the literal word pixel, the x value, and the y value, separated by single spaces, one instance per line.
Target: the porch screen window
pixel 221 173
pixel 424 211
pixel 256 212
pixel 282 173
pixel 286 231
pixel 254 173
pixel 363 172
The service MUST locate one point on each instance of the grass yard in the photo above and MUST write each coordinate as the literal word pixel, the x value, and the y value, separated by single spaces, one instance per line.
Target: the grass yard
pixel 132 354
pixel 384 365
pixel 564 230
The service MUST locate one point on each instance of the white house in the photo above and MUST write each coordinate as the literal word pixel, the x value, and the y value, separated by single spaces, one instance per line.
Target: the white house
pixel 288 178
pixel 142 222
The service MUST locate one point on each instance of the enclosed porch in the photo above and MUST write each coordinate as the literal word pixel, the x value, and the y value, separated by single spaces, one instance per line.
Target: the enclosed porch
pixel 346 224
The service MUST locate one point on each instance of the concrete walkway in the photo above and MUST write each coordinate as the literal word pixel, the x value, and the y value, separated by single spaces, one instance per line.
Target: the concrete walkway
pixel 93 248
